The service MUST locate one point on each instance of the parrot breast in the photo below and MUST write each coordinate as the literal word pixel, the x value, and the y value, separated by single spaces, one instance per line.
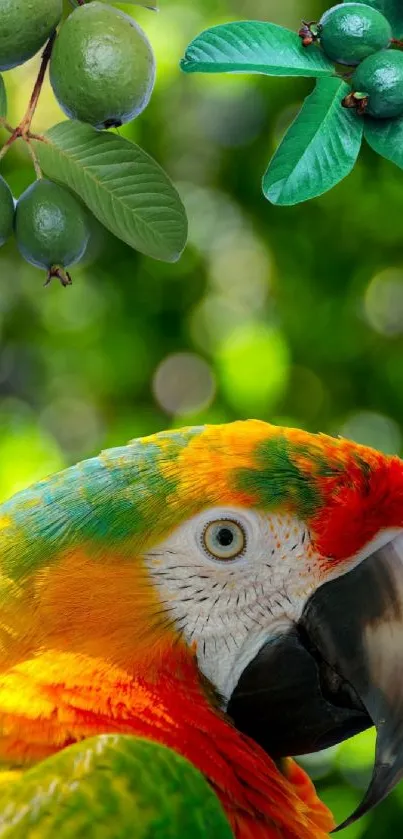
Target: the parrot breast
pixel 53 711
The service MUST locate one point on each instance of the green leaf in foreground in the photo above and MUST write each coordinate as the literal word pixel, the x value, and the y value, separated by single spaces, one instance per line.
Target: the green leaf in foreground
pixel 124 187
pixel 385 136
pixel 319 150
pixel 254 47
pixel 393 11
pixel 3 98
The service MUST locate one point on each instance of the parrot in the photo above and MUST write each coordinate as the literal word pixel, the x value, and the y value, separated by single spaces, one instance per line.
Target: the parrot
pixel 182 616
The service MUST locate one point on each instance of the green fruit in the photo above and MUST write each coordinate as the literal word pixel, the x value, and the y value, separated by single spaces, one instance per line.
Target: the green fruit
pixel 6 211
pixel 350 32
pixel 114 67
pixel 51 228
pixel 380 78
pixel 25 25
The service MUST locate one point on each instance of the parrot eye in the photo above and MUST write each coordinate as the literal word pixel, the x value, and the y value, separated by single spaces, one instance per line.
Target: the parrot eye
pixel 224 539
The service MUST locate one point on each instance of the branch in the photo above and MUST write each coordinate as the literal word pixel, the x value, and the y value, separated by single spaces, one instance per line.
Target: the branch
pixel 23 129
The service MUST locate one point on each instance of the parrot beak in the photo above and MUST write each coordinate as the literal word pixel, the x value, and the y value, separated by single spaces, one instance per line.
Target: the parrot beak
pixel 335 673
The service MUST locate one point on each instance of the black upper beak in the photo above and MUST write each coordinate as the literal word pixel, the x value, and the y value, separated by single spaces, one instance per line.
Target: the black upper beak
pixel 337 672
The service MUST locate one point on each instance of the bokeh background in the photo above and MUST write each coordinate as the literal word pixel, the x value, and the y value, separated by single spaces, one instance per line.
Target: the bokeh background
pixel 293 315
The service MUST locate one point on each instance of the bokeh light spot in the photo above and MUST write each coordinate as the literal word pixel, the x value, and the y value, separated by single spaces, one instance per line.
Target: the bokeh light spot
pixel 372 429
pixel 214 319
pixel 241 268
pixel 213 215
pixel 27 452
pixel 356 757
pixel 254 367
pixel 75 424
pixel 183 384
pixel 383 302
pixel 319 764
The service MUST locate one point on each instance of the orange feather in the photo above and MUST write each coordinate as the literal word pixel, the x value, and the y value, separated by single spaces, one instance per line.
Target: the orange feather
pixel 173 708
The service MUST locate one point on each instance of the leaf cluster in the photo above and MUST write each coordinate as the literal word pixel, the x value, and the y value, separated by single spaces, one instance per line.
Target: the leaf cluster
pixel 322 144
pixel 120 184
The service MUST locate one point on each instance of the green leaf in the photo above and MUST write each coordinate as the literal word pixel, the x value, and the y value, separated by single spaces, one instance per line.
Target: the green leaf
pixel 3 98
pixel 124 187
pixel 385 136
pixel 392 9
pixel 319 149
pixel 254 47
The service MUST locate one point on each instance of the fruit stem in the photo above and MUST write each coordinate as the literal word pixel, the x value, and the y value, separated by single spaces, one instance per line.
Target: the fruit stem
pixel 40 137
pixel 4 124
pixel 396 41
pixel 23 129
pixel 8 144
pixel 25 125
pixel 58 272
pixel 356 100
pixel 309 32
pixel 35 160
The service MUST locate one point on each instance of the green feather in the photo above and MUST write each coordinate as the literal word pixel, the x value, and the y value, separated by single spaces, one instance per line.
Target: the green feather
pixel 276 479
pixel 113 786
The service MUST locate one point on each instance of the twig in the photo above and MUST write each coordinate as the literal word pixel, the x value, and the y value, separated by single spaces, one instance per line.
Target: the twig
pixel 8 144
pixel 35 160
pixel 25 125
pixel 40 137
pixel 6 125
pixel 23 129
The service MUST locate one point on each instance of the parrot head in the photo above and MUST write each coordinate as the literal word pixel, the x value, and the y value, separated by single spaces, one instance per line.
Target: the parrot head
pixel 271 557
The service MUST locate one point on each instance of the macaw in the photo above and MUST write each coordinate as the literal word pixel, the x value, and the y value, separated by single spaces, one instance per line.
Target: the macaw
pixel 179 615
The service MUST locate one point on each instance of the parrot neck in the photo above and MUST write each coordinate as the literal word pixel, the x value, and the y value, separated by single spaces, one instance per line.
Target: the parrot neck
pixel 57 698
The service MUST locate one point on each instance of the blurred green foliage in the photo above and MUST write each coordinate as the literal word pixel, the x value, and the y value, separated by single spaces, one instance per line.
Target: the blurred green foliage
pixel 291 315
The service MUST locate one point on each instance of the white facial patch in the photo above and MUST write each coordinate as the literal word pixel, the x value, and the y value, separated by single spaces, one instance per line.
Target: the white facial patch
pixel 231 606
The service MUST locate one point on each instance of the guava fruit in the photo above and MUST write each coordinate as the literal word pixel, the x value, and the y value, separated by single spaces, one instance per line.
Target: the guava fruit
pixel 25 25
pixel 378 85
pixel 350 32
pixel 6 211
pixel 51 228
pixel 102 68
